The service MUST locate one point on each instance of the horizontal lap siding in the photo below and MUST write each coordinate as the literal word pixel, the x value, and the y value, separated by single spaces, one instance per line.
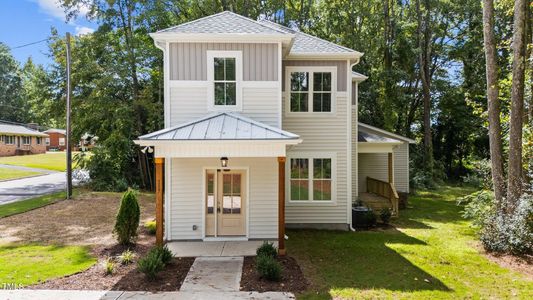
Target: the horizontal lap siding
pixel 375 165
pixel 322 134
pixel 187 196
pixel 261 104
pixel 188 61
pixel 186 104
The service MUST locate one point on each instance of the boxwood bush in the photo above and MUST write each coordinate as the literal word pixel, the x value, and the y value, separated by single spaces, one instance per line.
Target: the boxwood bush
pixel 268 267
pixel 267 249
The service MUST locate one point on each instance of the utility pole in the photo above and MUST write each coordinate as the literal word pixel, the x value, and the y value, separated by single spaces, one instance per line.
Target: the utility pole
pixel 69 150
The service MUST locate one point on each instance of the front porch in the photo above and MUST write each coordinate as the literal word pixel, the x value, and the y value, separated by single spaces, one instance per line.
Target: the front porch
pixel 215 248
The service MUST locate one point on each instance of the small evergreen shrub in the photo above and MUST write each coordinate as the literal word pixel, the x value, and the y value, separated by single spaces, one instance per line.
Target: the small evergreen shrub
pixel 385 215
pixel 267 249
pixel 268 267
pixel 150 265
pixel 150 227
pixel 164 253
pixel 127 257
pixel 128 218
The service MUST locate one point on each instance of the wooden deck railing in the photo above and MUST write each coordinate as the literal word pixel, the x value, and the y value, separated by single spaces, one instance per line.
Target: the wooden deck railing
pixel 384 189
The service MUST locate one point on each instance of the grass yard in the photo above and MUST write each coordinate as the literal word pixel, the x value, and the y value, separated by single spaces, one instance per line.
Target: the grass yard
pixel 55 161
pixel 8 174
pixel 433 254
pixel 33 203
pixel 31 264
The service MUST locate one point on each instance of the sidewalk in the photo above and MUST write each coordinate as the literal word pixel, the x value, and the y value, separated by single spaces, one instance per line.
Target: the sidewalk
pixel 120 295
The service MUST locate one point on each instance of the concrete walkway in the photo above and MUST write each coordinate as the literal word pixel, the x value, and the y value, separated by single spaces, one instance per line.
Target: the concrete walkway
pixel 211 274
pixel 120 295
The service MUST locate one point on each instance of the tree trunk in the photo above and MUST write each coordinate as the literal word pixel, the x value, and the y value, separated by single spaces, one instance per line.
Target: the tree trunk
pixel 517 107
pixel 495 130
pixel 424 43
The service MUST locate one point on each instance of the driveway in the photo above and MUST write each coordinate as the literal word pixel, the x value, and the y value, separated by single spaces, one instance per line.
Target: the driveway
pixel 25 188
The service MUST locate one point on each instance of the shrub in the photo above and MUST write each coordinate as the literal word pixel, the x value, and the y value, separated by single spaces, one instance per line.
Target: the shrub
pixel 150 226
pixel 164 254
pixel 268 267
pixel 267 249
pixel 385 215
pixel 109 266
pixel 150 265
pixel 510 234
pixel 478 206
pixel 127 257
pixel 128 218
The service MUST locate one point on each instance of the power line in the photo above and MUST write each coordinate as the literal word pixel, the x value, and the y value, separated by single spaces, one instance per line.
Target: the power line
pixel 29 44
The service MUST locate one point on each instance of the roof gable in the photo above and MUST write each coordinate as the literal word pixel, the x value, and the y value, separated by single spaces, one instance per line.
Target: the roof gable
pixel 224 22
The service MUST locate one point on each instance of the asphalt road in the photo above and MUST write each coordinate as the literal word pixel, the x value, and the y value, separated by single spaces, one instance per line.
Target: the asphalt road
pixel 25 188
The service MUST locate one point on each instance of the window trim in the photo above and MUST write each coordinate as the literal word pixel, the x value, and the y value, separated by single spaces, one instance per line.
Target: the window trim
pixel 28 138
pixel 311 71
pixel 211 80
pixel 61 141
pixel 310 156
pixel 9 137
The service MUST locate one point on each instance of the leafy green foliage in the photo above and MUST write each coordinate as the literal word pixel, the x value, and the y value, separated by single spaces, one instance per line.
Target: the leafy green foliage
pixel 127 219
pixel 267 249
pixel 385 214
pixel 150 265
pixel 268 267
pixel 478 206
pixel 164 253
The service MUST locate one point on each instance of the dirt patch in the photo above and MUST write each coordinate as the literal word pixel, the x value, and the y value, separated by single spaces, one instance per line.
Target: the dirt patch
pixel 86 220
pixel 124 277
pixel 293 279
pixel 522 265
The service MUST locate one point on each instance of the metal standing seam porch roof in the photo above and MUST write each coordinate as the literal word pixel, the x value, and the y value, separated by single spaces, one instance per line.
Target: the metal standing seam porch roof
pixel 220 126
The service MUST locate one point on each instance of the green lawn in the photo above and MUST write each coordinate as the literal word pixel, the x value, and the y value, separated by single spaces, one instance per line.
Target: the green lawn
pixel 26 205
pixel 6 174
pixel 30 264
pixel 431 255
pixel 49 161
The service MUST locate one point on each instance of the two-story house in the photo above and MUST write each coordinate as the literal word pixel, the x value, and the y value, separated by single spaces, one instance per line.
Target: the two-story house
pixel 261 133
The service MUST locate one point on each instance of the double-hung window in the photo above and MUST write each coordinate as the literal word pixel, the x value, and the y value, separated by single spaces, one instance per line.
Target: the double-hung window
pixel 224 76
pixel 9 140
pixel 311 90
pixel 26 140
pixel 311 178
pixel 38 140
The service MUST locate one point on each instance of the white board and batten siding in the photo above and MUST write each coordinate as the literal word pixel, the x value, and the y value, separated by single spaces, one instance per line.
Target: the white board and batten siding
pixel 187 196
pixel 188 86
pixel 325 133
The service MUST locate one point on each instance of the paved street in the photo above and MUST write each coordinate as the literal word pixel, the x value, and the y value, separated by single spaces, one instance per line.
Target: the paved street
pixel 25 188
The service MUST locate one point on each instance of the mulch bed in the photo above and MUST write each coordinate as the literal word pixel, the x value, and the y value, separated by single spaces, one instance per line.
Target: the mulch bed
pixel 124 277
pixel 293 279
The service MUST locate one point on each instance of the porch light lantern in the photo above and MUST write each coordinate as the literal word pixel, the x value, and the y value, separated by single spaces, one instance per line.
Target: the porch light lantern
pixel 224 162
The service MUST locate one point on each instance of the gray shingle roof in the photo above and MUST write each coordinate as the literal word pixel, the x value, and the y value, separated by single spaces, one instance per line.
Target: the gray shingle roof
pixel 224 22
pixel 221 126
pixel 371 134
pixel 8 129
pixel 368 137
pixel 305 43
pixel 56 130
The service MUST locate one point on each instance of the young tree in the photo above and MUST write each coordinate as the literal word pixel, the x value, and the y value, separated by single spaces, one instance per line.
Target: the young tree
pixel 495 131
pixel 517 106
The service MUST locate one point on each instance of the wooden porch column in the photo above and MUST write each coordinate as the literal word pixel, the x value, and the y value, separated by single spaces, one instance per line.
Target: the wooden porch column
pixel 391 176
pixel 159 162
pixel 281 206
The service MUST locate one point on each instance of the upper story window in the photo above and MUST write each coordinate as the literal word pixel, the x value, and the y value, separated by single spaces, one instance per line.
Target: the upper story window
pixel 311 90
pixel 224 74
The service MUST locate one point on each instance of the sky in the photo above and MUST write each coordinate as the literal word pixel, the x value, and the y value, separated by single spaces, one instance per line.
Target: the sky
pixel 27 21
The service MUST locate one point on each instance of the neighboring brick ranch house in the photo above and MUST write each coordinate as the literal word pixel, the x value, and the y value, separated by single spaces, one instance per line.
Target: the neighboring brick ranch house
pixel 19 140
pixel 57 139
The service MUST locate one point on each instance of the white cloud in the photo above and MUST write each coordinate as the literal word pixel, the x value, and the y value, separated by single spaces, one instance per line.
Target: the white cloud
pixel 81 30
pixel 52 8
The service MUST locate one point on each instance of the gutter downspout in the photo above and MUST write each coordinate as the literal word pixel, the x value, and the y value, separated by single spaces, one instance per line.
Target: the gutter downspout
pixel 352 133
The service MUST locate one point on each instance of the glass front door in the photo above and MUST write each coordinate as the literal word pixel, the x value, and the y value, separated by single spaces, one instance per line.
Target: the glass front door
pixel 225 203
